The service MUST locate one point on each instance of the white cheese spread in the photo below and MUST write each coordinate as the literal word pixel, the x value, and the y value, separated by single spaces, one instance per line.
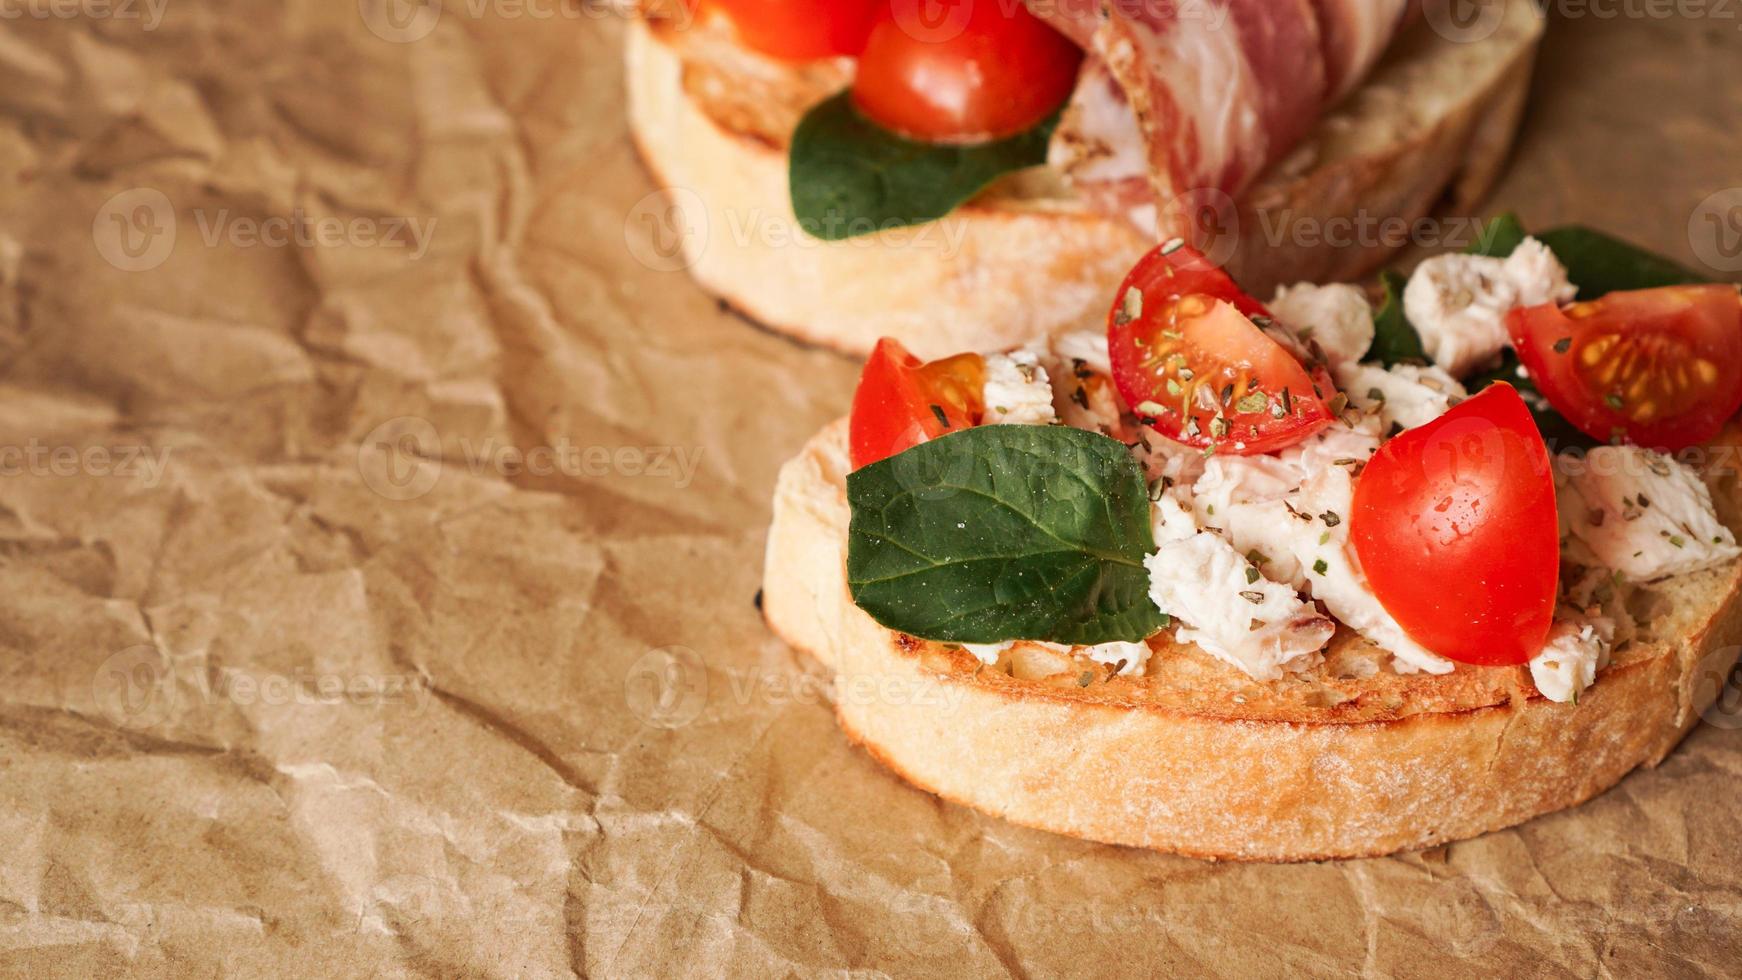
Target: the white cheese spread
pixel 1405 394
pixel 1017 390
pixel 1577 648
pixel 1638 512
pixel 1337 316
pixel 1458 303
pixel 1225 606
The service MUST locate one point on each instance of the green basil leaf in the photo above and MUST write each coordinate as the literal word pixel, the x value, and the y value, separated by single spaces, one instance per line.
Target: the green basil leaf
pixel 851 177
pixel 1599 264
pixel 1004 532
pixel 1499 237
pixel 1394 340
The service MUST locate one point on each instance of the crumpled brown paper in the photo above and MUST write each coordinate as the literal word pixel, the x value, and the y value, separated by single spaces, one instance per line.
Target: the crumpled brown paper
pixel 381 517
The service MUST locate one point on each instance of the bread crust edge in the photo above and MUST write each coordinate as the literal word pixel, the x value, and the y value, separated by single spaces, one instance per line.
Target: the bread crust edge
pixel 1203 786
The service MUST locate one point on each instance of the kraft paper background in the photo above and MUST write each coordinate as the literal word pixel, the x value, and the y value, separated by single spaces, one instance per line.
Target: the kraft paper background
pixel 382 514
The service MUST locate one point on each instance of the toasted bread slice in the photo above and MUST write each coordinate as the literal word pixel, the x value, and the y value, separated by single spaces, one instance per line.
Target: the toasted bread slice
pixel 1027 258
pixel 1349 759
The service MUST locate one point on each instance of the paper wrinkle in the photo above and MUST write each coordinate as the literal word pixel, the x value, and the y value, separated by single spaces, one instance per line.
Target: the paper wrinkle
pixel 594 759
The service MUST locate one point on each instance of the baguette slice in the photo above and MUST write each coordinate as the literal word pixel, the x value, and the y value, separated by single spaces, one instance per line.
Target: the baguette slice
pixel 1431 126
pixel 1193 757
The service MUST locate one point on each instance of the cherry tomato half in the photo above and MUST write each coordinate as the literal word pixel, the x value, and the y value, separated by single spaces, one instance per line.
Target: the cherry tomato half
pixel 800 30
pixel 1455 526
pixel 1187 355
pixel 981 71
pixel 1655 367
pixel 902 402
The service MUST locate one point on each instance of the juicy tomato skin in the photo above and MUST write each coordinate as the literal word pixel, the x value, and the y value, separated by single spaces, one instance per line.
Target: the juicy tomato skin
pixel 800 30
pixel 1656 367
pixel 1180 270
pixel 987 71
pixel 1455 526
pixel 1181 331
pixel 902 401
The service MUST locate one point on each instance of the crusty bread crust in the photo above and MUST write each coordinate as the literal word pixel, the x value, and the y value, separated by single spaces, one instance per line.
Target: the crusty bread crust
pixel 1027 258
pixel 1194 758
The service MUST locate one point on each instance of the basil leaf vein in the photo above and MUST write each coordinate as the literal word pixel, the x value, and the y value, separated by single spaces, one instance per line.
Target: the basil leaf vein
pixel 1004 532
pixel 851 177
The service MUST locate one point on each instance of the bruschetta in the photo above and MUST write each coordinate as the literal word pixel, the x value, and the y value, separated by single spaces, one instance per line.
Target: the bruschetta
pixel 1332 574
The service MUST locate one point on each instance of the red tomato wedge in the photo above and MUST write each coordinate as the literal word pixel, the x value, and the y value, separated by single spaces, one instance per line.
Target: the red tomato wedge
pixel 1455 526
pixel 1655 367
pixel 1190 361
pixel 800 30
pixel 978 71
pixel 902 401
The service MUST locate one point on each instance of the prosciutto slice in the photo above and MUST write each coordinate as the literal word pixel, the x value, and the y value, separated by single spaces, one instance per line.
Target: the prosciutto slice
pixel 1183 97
pixel 1355 34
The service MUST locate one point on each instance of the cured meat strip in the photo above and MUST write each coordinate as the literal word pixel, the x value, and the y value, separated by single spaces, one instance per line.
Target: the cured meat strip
pixel 1215 87
pixel 1098 145
pixel 1356 33
pixel 1201 95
